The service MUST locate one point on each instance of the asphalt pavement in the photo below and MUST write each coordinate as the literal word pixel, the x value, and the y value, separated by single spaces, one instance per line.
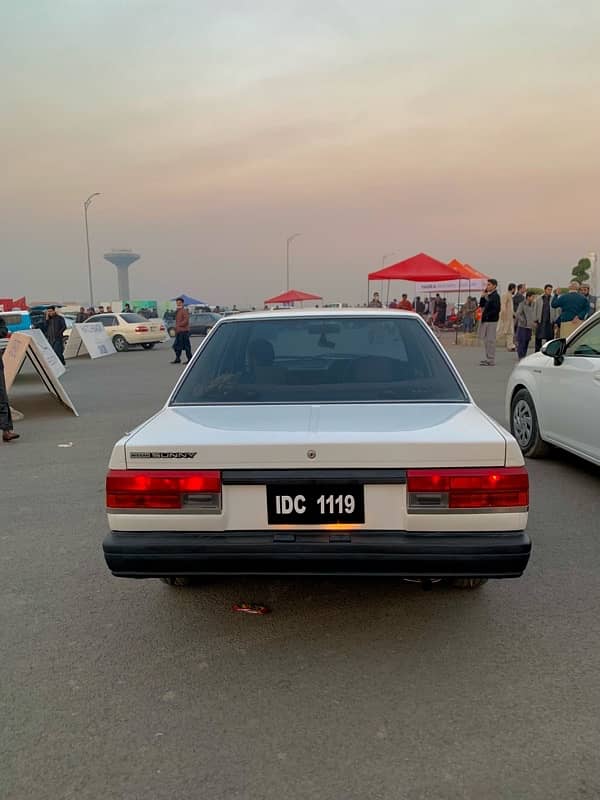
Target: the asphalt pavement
pixel 350 688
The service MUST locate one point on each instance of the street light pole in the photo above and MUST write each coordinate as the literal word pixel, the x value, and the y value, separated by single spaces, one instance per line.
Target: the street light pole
pixel 290 239
pixel 384 258
pixel 86 205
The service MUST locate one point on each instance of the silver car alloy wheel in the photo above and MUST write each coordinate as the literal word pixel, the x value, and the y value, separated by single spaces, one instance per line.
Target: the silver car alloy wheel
pixel 523 423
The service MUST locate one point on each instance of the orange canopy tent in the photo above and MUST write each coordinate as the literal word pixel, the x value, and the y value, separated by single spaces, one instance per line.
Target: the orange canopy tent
pixel 292 296
pixel 467 270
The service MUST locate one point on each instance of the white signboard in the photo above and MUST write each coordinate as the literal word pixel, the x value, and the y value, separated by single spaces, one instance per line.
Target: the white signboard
pixel 464 285
pixel 89 339
pixel 25 344
pixel 44 345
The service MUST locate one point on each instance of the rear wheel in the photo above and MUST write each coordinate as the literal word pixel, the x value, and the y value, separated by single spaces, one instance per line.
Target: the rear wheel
pixel 524 425
pixel 148 345
pixel 467 583
pixel 177 581
pixel 120 343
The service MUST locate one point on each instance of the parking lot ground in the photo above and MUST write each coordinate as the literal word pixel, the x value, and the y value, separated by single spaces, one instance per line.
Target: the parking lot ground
pixel 350 689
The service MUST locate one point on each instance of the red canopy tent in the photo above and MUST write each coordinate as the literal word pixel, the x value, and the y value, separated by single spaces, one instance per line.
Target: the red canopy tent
pixel 292 296
pixel 419 268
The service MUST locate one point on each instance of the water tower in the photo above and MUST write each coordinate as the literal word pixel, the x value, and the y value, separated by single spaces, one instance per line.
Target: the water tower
pixel 122 259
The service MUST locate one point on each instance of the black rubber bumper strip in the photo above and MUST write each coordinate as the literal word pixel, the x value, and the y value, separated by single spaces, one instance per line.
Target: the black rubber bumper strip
pixel 147 555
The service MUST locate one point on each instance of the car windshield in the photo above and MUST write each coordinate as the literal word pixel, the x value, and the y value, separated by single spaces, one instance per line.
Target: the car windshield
pixel 320 360
pixel 133 318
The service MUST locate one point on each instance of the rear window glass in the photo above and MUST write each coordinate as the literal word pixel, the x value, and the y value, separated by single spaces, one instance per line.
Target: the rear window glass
pixel 320 360
pixel 133 318
pixel 12 319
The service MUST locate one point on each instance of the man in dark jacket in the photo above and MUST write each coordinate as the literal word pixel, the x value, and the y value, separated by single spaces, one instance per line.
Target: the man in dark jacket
pixel 54 329
pixel 182 333
pixel 490 305
pixel 6 425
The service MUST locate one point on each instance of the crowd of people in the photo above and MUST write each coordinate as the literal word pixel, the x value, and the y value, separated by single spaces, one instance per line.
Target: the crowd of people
pixel 519 316
pixel 522 314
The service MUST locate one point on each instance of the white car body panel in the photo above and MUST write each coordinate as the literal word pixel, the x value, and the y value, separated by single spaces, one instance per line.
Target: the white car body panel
pixel 566 397
pixel 277 437
pixel 365 435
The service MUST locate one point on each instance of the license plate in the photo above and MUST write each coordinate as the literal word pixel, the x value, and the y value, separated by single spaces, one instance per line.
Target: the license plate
pixel 315 504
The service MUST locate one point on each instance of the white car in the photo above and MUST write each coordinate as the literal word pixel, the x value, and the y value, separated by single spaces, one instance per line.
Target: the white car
pixel 128 329
pixel 316 442
pixel 553 397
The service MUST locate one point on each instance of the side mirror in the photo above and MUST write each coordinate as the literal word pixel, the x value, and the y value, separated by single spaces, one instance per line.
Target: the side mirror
pixel 555 349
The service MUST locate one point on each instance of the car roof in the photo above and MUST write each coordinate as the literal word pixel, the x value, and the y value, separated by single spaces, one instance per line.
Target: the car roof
pixel 312 313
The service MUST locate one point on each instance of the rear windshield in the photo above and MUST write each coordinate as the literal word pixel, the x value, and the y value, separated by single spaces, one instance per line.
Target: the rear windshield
pixel 133 318
pixel 320 360
pixel 12 319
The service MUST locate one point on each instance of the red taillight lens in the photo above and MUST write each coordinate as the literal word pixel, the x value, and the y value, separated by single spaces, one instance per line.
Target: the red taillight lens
pixel 159 488
pixel 162 327
pixel 502 487
pixel 141 329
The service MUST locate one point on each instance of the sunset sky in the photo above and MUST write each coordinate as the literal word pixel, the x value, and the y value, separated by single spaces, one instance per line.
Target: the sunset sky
pixel 216 130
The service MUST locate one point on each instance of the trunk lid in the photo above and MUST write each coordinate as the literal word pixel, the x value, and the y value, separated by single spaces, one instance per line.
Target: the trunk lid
pixel 353 435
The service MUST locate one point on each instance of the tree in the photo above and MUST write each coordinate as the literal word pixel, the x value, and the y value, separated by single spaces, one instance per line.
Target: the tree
pixel 581 272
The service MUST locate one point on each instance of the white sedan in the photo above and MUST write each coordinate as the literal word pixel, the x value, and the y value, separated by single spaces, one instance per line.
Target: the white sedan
pixel 319 442
pixel 553 397
pixel 128 329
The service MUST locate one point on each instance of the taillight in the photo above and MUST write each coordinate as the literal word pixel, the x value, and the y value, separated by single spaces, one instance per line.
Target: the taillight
pixel 194 490
pixel 431 490
pixel 141 329
pixel 162 327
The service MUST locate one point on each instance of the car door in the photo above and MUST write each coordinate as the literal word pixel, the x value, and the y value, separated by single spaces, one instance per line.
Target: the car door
pixel 571 395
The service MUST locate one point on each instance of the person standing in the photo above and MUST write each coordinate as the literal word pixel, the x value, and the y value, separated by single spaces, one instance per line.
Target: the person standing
pixel 405 304
pixel 585 291
pixel 375 302
pixel 6 423
pixel 545 317
pixel 419 306
pixel 574 308
pixel 468 312
pixel 54 330
pixel 506 322
pixel 525 321
pixel 518 298
pixel 490 307
pixel 81 316
pixel 182 333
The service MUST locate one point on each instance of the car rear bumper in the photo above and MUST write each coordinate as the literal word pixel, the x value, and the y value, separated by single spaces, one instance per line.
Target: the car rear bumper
pixel 433 555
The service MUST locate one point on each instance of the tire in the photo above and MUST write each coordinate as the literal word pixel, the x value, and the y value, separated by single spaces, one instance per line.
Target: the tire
pixel 120 343
pixel 177 581
pixel 467 583
pixel 148 345
pixel 171 332
pixel 524 426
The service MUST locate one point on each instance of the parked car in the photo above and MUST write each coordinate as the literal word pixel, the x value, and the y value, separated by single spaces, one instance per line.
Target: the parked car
pixel 128 330
pixel 200 324
pixel 17 321
pixel 70 321
pixel 553 396
pixel 319 442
